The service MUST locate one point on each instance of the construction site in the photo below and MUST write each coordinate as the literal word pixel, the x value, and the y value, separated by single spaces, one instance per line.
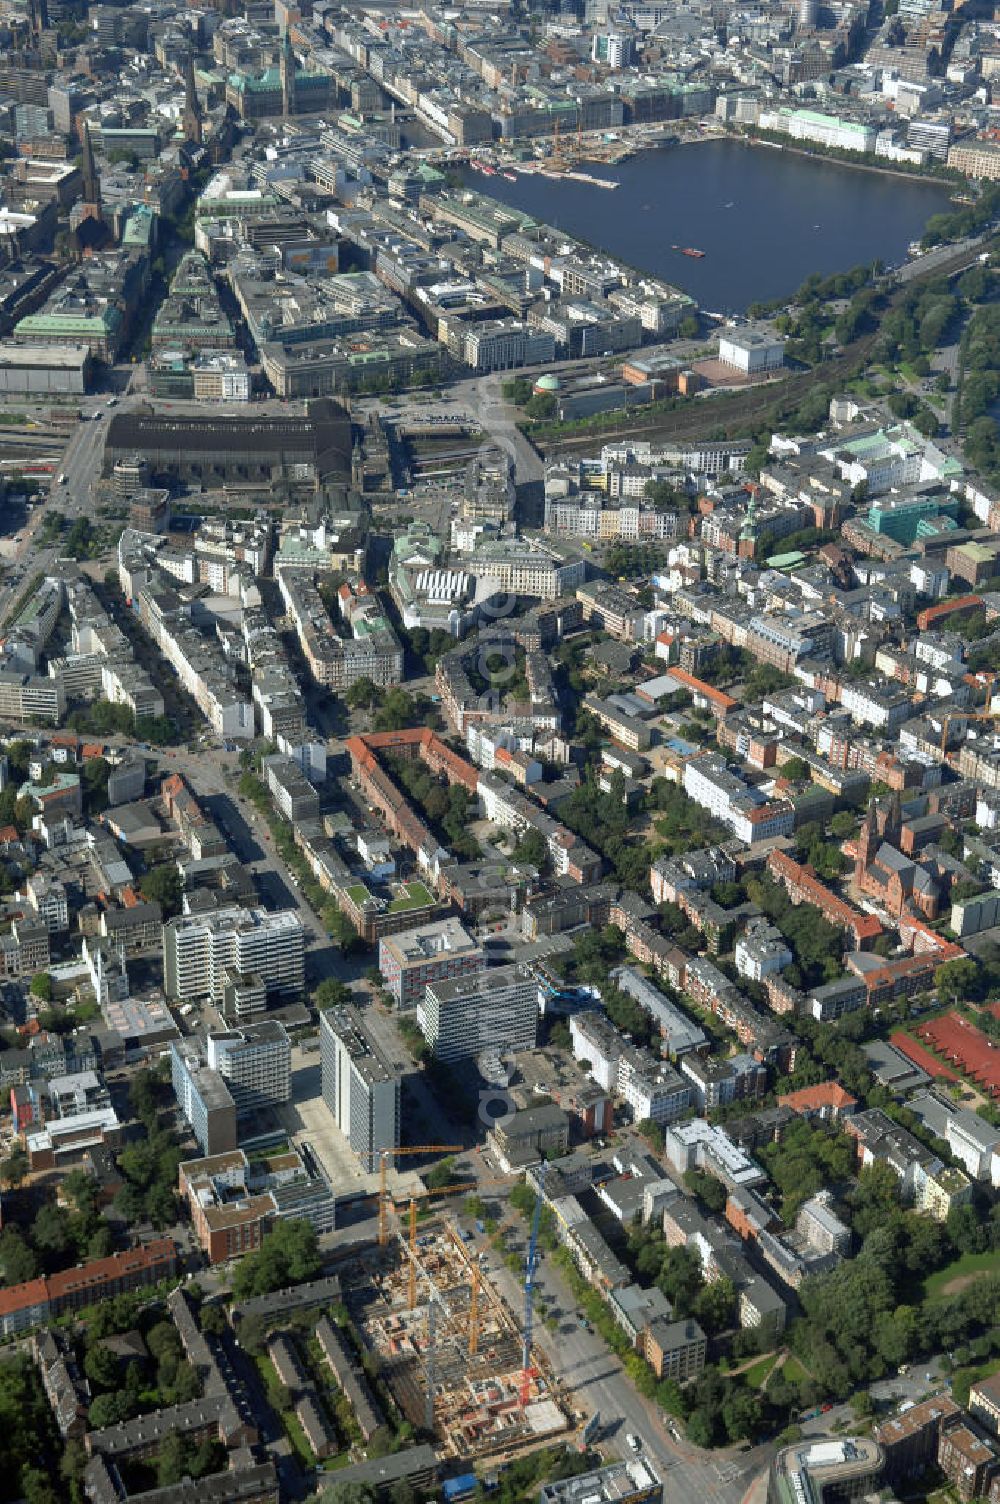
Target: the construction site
pixel 449 1347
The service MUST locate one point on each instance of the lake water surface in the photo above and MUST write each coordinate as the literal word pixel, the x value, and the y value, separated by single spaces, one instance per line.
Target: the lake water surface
pixel 766 219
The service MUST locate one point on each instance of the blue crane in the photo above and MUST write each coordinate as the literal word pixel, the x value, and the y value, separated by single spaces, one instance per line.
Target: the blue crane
pixel 530 1266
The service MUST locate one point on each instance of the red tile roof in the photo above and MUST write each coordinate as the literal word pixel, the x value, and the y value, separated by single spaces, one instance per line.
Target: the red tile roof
pixel 100 1275
pixel 34 1292
pixel 813 1098
pixel 934 613
pixel 837 910
pixel 700 687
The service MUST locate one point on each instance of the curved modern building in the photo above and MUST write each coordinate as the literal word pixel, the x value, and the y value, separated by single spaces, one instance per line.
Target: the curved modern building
pixel 826 1472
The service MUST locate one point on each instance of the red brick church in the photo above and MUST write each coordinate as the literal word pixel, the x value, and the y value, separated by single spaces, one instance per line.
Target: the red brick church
pixel 884 873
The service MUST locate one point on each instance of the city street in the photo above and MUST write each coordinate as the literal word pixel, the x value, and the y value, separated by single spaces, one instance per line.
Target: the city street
pixel 595 1381
pixel 213 776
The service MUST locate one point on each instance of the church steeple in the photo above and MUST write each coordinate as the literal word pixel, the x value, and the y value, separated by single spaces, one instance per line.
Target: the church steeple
pixel 91 181
pixel 192 119
pixel 894 820
pixel 286 69
pixel 867 842
pixel 746 545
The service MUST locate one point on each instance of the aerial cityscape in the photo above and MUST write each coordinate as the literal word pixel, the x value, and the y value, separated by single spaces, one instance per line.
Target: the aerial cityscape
pixel 500 752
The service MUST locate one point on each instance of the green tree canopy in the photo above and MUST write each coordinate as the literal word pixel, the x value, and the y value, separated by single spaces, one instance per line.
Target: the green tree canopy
pixel 957 979
pixel 165 886
pixel 331 993
pixel 288 1256
pixel 348 1493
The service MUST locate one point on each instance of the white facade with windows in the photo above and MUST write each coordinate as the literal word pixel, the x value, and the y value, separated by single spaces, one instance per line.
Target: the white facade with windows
pixel 203 953
pixel 751 351
pixel 496 1009
pixel 360 1087
pixel 255 1062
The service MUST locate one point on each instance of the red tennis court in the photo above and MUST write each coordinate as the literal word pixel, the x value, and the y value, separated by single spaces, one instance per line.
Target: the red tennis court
pixel 920 1057
pixel 967 1047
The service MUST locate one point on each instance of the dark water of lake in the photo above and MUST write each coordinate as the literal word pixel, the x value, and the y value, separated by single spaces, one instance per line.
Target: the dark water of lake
pixel 766 219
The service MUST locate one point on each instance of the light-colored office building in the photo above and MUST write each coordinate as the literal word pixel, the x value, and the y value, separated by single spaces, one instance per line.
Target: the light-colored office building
pixel 751 351
pixel 225 1078
pixel 976 158
pixel 203 1097
pixel 360 1086
pixel 204 954
pixel 465 1015
pixel 435 952
pixel 255 1062
pixel 629 1482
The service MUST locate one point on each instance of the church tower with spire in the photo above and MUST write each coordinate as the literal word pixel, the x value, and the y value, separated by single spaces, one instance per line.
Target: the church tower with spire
pixel 91 181
pixel 867 843
pixel 287 73
pixel 191 122
pixel 747 543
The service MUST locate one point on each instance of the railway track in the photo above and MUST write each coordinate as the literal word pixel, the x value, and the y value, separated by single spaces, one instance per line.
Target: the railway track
pixel 728 417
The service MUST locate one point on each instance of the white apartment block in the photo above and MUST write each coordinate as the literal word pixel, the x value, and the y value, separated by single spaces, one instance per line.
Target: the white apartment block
pixel 508 807
pixel 485 741
pixel 255 1062
pixel 598 1042
pixel 374 651
pixel 25 640
pixel 48 899
pixel 495 1009
pixel 649 1087
pixel 126 683
pixel 700 1145
pixel 652 1089
pixel 205 953
pixel 870 705
pixel 760 952
pixel 708 781
pixel 974 1142
pixel 821 1227
pixel 360 1087
pixel 199 667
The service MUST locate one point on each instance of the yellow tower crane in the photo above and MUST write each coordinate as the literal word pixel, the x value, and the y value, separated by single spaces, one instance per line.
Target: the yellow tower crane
pixel 474 1313
pixel 383 1195
pixel 413 1254
pixel 445 1190
pixel 964 715
pixel 464 1188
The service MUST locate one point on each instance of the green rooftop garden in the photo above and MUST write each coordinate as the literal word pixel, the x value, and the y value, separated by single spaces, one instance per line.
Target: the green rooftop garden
pixel 410 896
